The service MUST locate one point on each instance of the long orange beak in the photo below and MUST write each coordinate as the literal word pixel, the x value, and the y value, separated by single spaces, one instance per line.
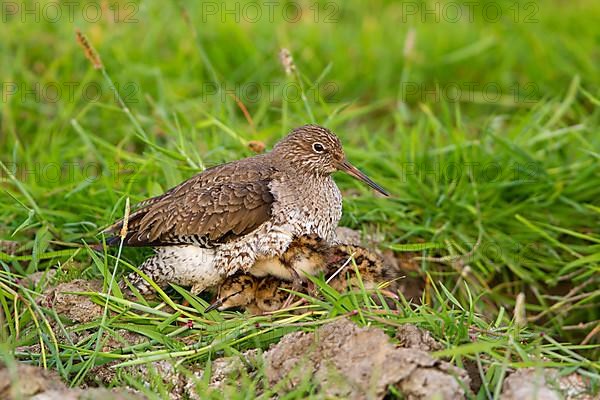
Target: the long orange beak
pixel 356 173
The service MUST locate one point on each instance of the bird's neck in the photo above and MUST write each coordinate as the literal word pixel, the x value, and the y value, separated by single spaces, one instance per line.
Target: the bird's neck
pixel 299 167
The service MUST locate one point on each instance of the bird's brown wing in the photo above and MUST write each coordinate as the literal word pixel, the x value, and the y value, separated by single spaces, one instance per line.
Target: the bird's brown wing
pixel 214 206
pixel 245 170
pixel 201 214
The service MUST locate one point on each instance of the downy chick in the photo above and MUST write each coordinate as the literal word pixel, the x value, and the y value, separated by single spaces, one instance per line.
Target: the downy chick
pixel 336 262
pixel 305 255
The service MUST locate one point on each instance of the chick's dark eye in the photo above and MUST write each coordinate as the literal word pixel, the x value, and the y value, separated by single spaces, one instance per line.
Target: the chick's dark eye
pixel 318 147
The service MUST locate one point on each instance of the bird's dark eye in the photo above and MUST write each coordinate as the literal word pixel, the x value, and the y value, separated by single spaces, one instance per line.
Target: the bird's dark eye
pixel 318 147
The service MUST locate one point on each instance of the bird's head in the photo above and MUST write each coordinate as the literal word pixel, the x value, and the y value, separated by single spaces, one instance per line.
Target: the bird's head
pixel 319 151
pixel 236 291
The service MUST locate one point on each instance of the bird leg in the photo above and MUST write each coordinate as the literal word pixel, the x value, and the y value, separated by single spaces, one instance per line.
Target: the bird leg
pixel 296 287
pixel 311 288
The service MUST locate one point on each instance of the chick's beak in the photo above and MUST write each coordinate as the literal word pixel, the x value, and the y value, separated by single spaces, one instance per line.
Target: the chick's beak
pixel 214 306
pixel 354 172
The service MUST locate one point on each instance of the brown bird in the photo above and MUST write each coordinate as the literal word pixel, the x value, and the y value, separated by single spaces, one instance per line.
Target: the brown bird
pixel 308 253
pixel 230 216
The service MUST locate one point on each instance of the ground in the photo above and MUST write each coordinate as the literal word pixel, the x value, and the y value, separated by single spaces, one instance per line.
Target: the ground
pixel 480 118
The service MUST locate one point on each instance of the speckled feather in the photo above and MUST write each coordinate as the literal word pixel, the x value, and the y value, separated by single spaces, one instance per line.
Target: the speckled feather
pixel 237 213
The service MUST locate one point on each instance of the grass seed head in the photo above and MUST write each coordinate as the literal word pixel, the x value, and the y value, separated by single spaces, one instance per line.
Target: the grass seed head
pixel 88 50
pixel 286 59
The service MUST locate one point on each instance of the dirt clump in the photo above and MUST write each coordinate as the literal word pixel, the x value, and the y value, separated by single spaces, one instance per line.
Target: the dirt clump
pixel 576 387
pixel 89 394
pixel 183 384
pixel 9 247
pixel 413 337
pixel 39 278
pixel 227 368
pixel 31 382
pixel 27 380
pixel 546 384
pixel 527 384
pixel 347 361
pixel 77 308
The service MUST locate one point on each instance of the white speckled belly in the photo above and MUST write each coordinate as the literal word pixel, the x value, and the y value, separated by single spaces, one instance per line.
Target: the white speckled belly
pixel 192 266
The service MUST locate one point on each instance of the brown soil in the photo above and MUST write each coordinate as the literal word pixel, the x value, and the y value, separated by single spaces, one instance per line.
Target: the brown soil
pixel 74 307
pixel 346 361
pixel 545 384
pixel 30 382
pixel 412 337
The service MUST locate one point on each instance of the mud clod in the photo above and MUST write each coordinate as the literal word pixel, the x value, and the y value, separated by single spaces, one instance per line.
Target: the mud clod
pixel 527 384
pixel 546 384
pixel 31 382
pixel 358 363
pixel 412 337
pixel 76 308
pixel 40 278
pixel 183 384
pixel 27 380
pixel 89 394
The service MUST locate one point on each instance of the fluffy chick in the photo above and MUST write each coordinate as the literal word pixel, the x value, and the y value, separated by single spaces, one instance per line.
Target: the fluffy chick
pixel 308 255
pixel 238 290
pixel 270 295
pixel 304 256
pixel 340 270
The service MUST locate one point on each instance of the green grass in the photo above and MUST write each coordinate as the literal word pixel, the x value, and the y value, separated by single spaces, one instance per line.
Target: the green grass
pixel 506 191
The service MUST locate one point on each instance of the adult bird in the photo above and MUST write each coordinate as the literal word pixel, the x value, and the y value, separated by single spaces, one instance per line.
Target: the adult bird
pixel 230 216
